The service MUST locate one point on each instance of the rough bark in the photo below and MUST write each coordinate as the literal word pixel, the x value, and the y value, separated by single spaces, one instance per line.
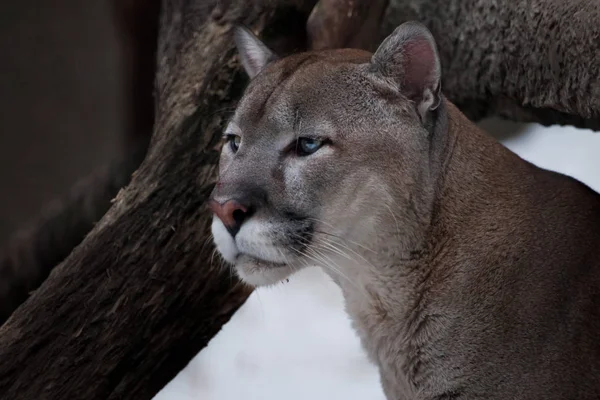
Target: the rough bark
pixel 31 253
pixel 141 295
pixel 533 60
pixel 345 23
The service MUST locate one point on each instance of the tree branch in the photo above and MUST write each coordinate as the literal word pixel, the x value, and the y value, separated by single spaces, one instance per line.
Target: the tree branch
pixel 345 23
pixel 524 60
pixel 139 297
pixel 31 253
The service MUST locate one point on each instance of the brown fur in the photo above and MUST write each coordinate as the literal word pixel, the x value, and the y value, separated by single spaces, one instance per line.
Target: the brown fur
pixel 468 272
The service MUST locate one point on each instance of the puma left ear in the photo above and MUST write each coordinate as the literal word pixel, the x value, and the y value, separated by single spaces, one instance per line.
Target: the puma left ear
pixel 409 58
pixel 254 54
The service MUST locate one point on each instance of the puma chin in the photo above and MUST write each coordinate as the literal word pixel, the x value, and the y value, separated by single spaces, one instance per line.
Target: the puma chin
pixel 263 252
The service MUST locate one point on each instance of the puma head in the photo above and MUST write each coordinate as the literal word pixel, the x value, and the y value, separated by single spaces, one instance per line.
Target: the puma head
pixel 325 155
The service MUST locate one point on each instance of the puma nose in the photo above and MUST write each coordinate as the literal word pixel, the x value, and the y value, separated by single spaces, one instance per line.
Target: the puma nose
pixel 231 213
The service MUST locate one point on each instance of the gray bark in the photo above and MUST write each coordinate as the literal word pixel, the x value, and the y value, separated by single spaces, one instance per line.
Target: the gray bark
pixel 31 253
pixel 534 60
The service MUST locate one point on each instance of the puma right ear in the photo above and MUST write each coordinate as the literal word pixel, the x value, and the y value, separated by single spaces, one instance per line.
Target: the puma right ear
pixel 254 54
pixel 409 59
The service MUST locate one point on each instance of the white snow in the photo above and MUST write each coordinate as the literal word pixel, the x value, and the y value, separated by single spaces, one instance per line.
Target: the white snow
pixel 294 341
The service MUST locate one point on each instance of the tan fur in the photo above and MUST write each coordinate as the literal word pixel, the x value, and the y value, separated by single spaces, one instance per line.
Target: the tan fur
pixel 468 272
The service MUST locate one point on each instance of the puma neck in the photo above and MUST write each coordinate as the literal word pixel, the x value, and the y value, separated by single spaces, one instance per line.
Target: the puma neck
pixel 394 300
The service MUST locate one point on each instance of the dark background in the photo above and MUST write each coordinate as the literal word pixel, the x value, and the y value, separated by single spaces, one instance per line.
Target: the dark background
pixel 61 113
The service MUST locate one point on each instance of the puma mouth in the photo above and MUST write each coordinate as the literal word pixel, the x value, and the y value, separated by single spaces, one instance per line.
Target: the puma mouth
pixel 244 258
pixel 258 272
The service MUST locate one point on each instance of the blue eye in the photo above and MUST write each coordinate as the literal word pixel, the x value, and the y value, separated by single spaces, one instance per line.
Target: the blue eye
pixel 234 142
pixel 307 146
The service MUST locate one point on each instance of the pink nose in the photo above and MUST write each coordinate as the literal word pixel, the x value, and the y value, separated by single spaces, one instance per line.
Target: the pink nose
pixel 231 213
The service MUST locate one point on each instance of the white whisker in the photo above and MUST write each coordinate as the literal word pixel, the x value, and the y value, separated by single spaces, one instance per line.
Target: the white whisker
pixel 350 249
pixel 327 262
pixel 325 245
pixel 394 217
pixel 337 236
pixel 212 256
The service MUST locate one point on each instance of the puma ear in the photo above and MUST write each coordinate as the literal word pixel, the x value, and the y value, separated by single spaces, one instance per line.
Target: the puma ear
pixel 254 54
pixel 409 58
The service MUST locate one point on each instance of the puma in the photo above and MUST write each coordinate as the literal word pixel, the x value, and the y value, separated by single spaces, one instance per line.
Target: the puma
pixel 468 272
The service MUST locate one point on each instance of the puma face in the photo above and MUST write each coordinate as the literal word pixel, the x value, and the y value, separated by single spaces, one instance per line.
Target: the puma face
pixel 324 155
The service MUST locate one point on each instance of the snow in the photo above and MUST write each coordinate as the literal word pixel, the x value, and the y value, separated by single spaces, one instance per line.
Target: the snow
pixel 294 341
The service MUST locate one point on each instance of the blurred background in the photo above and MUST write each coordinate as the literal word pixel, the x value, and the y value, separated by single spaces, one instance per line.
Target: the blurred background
pixel 61 108
pixel 63 113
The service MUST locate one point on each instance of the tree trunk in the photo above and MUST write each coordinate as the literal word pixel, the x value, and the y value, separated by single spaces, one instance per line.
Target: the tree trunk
pixel 31 253
pixel 345 23
pixel 141 296
pixel 534 61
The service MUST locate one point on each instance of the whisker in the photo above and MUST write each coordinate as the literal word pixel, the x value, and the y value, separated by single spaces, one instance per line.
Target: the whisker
pixel 335 247
pixel 328 264
pixel 303 254
pixel 337 236
pixel 346 240
pixel 395 219
pixel 325 245
pixel 207 241
pixel 212 256
pixel 231 271
pixel 353 251
pixel 261 305
pixel 282 254
pixel 322 260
